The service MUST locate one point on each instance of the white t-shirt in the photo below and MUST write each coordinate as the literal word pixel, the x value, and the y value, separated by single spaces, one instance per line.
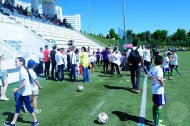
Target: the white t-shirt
pixel 59 58
pixel 134 48
pixel 2 66
pixel 166 62
pixel 34 77
pixel 112 57
pixel 72 57
pixel 117 59
pixel 91 59
pixel 154 73
pixel 146 55
pixel 174 59
pixel 23 75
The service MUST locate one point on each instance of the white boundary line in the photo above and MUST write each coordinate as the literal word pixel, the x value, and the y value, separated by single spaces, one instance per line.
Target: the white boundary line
pixel 143 104
pixel 98 106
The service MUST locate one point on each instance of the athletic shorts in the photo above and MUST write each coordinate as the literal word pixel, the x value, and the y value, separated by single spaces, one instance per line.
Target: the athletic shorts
pixel 159 99
pixel 92 64
pixel 35 90
pixel 166 69
pixel 174 66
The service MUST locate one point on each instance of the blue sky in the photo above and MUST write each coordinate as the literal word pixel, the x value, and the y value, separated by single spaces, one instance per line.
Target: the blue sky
pixel 141 15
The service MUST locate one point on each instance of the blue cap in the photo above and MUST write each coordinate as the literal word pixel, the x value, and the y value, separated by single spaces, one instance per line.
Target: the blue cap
pixel 31 64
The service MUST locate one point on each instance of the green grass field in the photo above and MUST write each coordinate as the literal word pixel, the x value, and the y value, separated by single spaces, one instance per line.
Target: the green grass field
pixel 61 105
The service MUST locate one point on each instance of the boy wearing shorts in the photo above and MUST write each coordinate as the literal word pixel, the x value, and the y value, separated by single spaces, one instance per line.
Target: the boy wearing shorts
pixel 158 98
pixel 166 64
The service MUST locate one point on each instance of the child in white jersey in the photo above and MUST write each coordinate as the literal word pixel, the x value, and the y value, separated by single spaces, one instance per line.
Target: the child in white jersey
pixel 158 98
pixel 35 84
pixel 24 89
pixel 166 64
pixel 174 63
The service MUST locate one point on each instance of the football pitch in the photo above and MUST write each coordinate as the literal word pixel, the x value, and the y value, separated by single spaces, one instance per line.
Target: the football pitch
pixel 62 105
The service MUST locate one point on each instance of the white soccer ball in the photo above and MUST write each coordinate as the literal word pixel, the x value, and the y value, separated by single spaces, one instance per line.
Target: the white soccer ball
pixel 80 88
pixel 102 118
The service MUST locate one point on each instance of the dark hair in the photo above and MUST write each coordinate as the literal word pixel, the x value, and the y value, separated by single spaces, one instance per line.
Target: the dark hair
pixel 41 48
pixel 46 46
pixel 58 49
pixel 135 42
pixel 158 60
pixel 169 53
pixel 77 51
pixel 21 59
pixel 55 46
pixel 84 49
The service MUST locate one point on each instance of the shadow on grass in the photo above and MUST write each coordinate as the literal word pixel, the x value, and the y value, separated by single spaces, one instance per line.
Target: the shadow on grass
pixel 126 117
pixel 104 75
pixel 11 115
pixel 119 88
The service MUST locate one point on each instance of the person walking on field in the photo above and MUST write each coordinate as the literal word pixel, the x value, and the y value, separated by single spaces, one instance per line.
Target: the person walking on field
pixel 135 59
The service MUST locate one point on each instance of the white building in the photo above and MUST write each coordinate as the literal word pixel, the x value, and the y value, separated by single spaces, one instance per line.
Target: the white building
pixel 74 21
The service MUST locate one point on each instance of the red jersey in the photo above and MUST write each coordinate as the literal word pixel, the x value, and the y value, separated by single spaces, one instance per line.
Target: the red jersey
pixel 46 55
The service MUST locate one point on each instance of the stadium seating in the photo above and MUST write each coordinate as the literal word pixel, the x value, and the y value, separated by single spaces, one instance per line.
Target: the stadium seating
pixel 50 32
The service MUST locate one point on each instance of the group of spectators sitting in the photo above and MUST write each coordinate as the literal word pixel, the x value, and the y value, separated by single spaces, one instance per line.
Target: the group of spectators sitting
pixel 35 13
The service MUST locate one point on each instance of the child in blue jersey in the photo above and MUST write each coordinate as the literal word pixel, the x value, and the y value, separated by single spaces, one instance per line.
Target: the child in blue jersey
pixel 25 91
pixel 159 100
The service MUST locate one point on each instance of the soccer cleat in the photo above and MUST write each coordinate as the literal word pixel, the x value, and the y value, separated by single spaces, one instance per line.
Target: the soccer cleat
pixel 35 123
pixel 9 124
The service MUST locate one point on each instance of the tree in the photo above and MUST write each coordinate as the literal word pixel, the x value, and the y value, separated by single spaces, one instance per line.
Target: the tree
pixel 112 33
pixel 180 35
pixel 160 35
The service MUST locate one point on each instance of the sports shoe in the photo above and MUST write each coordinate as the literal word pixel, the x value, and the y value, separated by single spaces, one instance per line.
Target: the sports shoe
pixel 137 91
pixel 37 111
pixel 9 124
pixel 170 78
pixel 4 98
pixel 35 123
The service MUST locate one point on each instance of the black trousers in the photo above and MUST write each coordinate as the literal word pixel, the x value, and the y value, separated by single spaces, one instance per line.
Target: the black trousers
pixel 47 66
pixel 105 66
pixel 98 61
pixel 117 68
pixel 53 65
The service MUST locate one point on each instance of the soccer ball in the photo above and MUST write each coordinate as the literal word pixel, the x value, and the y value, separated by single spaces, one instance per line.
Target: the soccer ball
pixel 80 88
pixel 102 118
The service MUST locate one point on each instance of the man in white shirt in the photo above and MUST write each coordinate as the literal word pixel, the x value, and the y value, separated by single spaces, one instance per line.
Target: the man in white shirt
pixel 59 58
pixel 135 59
pixel 166 64
pixel 41 62
pixel 73 64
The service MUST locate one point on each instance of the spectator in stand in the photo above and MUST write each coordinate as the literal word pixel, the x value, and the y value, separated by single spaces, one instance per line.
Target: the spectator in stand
pixel 47 61
pixel 98 55
pixel 53 62
pixel 105 60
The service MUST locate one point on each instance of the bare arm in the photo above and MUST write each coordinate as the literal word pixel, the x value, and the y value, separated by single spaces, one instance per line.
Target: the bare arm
pixel 20 87
pixel 37 83
pixel 161 80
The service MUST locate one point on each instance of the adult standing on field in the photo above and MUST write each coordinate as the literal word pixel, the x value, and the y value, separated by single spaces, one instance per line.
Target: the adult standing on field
pixel 73 64
pixel 135 58
pixel 84 62
pixel 53 62
pixel 47 61
pixel 98 55
pixel 41 62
